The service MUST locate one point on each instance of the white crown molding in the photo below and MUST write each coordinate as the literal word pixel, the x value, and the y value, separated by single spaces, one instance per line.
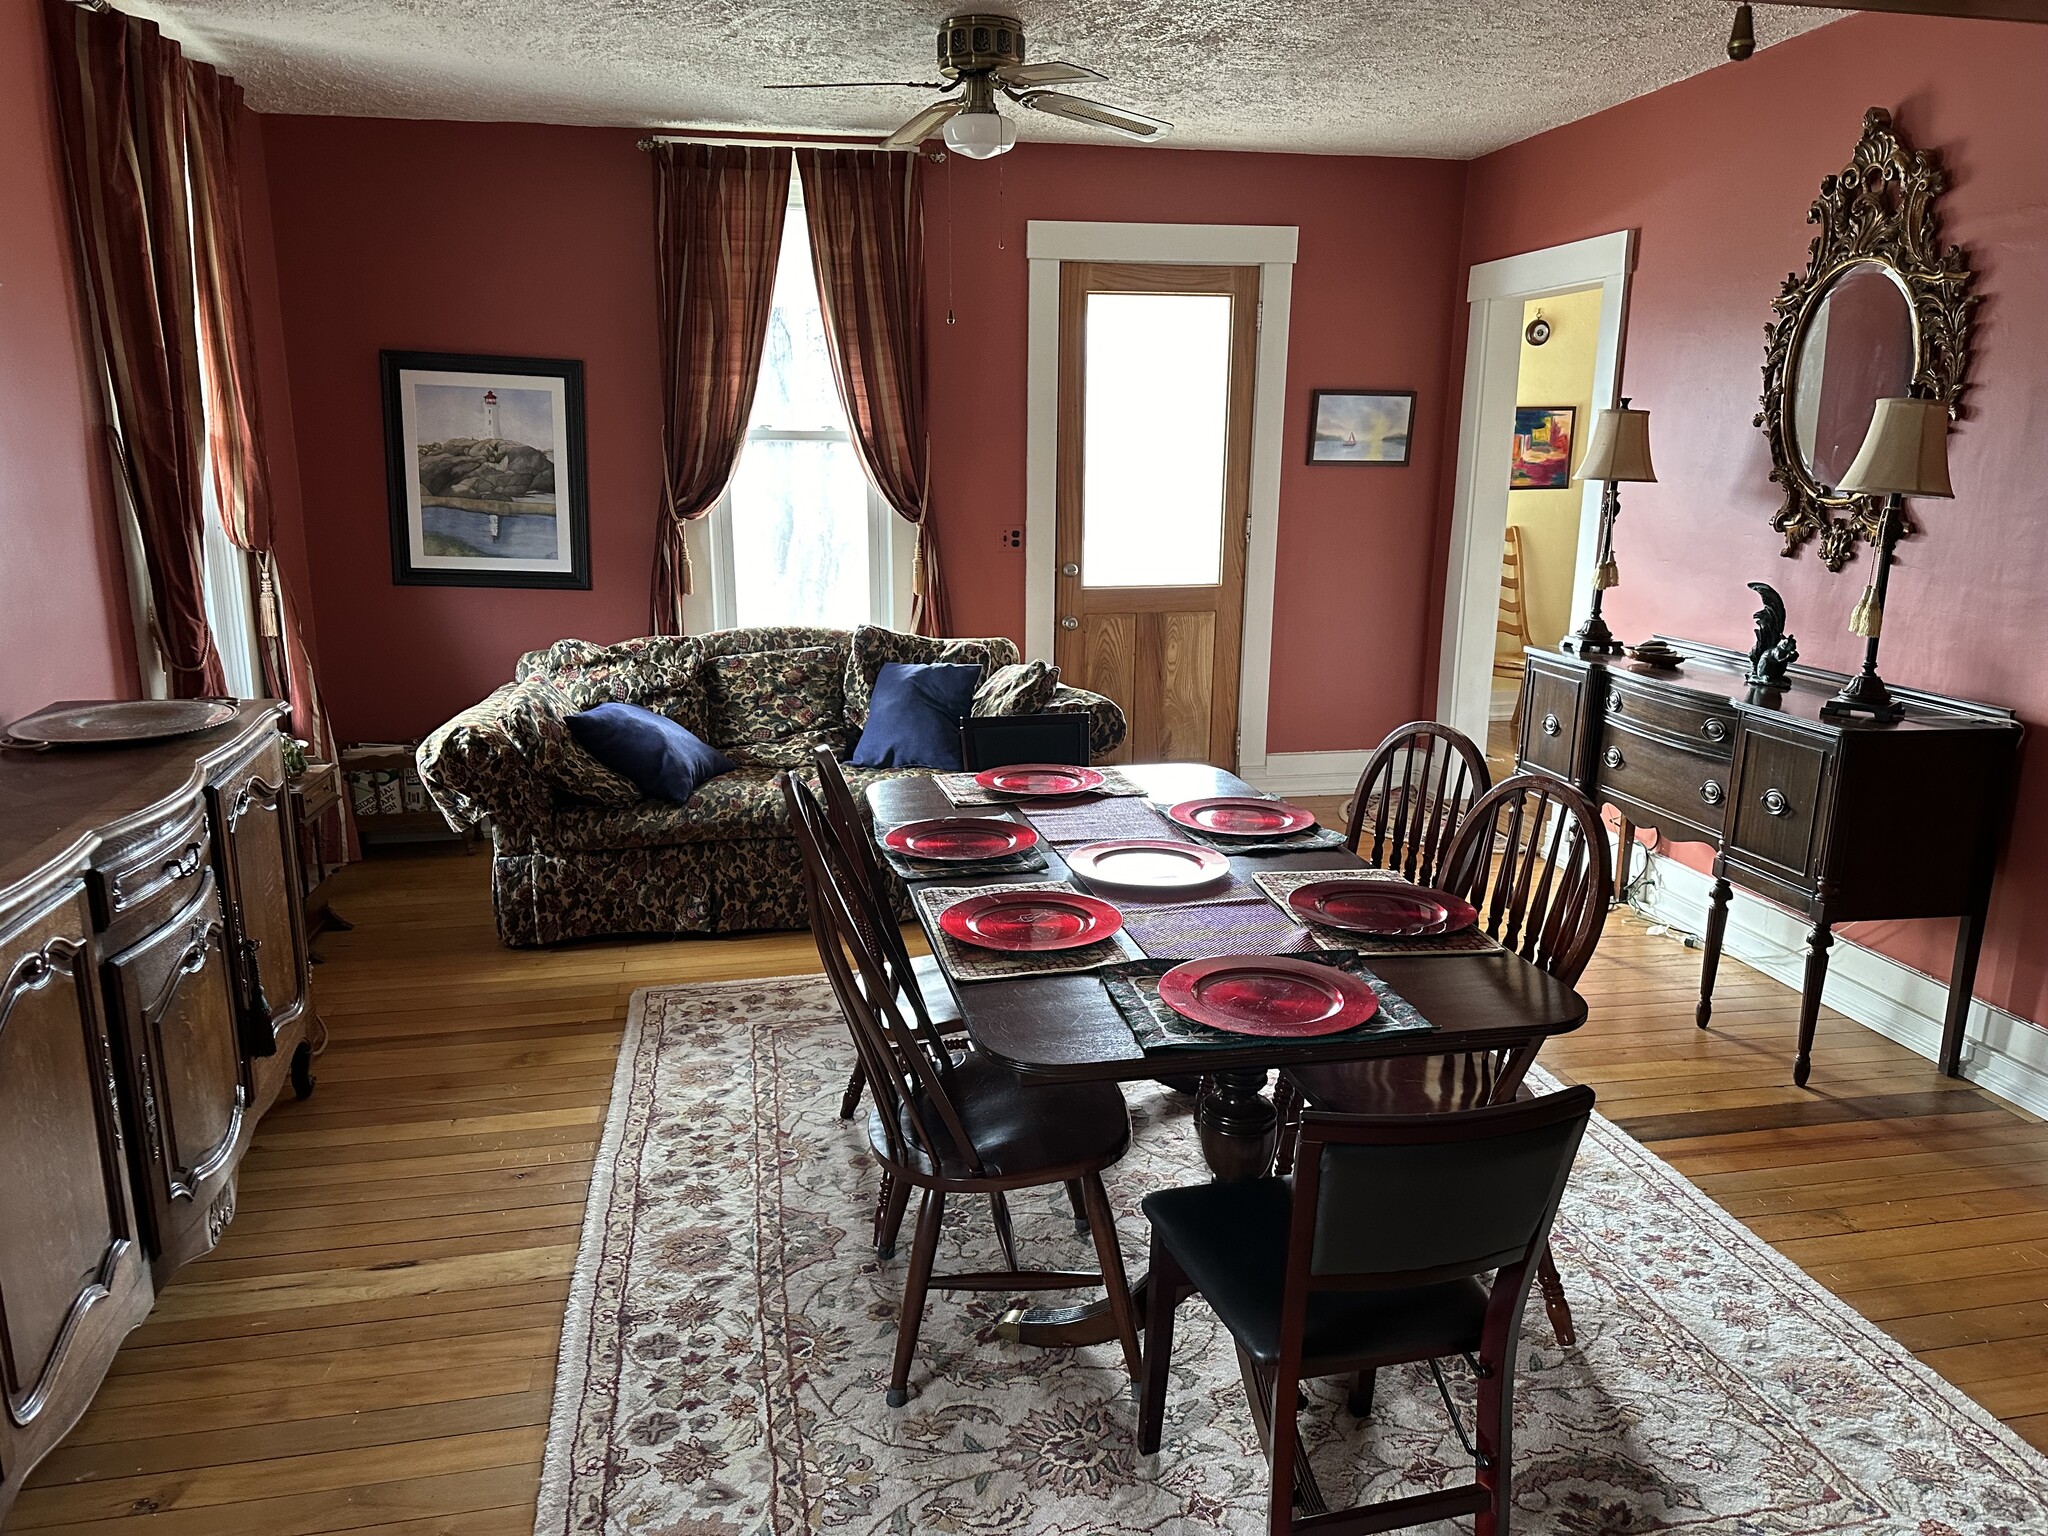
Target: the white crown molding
pixel 2002 1053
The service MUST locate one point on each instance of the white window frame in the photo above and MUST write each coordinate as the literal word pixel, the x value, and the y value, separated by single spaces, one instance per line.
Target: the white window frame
pixel 892 542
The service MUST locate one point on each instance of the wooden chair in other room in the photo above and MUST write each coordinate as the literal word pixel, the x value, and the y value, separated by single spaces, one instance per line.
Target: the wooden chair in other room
pixel 918 982
pixel 1374 1258
pixel 1415 790
pixel 996 741
pixel 1531 855
pixel 1512 625
pixel 947 1125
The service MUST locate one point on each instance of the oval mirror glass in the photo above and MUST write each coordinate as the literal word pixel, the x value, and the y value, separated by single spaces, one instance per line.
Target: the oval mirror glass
pixel 1857 348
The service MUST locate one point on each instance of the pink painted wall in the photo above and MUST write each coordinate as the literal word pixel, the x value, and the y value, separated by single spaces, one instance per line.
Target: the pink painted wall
pixel 1372 287
pixel 458 237
pixel 1716 174
pixel 64 630
pixel 390 234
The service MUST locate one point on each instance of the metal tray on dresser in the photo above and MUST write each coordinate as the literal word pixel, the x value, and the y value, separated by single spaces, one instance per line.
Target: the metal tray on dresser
pixel 1840 820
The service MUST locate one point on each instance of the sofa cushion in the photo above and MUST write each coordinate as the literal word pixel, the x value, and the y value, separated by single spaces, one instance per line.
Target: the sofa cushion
pixel 914 717
pixel 663 758
pixel 1107 726
pixel 1023 689
pixel 774 708
pixel 657 672
pixel 874 646
pixel 745 803
pixel 556 754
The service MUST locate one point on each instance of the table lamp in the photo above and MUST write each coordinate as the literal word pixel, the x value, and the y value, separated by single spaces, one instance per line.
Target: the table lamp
pixel 1620 450
pixel 1905 453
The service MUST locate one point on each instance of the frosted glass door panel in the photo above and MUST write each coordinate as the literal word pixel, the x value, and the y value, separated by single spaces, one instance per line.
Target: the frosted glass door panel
pixel 1157 400
pixel 800 534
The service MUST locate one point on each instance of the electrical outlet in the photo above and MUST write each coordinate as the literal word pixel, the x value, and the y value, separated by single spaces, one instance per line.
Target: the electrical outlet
pixel 1013 538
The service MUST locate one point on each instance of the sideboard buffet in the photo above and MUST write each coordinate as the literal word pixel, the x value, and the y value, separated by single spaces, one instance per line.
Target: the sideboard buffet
pixel 153 1003
pixel 1839 820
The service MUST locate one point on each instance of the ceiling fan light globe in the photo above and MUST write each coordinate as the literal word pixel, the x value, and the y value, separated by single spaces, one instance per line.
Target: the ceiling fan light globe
pixel 980 135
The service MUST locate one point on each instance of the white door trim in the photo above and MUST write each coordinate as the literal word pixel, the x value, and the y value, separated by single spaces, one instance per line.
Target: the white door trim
pixel 1271 248
pixel 1497 291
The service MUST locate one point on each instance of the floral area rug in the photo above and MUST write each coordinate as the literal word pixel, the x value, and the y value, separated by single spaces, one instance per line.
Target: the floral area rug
pixel 730 1329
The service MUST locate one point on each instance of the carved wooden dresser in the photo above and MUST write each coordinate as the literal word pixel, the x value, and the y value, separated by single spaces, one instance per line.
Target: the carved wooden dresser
pixel 1839 820
pixel 153 1002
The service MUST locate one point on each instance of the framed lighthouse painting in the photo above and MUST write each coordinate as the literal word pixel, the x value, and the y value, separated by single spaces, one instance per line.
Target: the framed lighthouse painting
pixel 484 459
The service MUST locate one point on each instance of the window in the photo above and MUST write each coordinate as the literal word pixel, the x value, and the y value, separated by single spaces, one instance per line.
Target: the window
pixel 800 536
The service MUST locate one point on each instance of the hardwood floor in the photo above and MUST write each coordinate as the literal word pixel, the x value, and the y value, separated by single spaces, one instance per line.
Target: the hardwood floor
pixel 372 1347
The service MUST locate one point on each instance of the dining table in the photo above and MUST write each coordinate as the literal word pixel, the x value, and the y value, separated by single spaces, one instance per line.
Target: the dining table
pixel 1065 1028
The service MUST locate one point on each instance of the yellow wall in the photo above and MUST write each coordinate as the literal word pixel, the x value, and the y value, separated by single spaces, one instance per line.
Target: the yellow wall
pixel 1560 372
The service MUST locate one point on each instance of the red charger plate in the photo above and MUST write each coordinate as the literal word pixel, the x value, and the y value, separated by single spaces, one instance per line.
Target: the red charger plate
pixel 1021 921
pixel 1386 908
pixel 1269 996
pixel 1147 864
pixel 960 837
pixel 1241 816
pixel 1036 780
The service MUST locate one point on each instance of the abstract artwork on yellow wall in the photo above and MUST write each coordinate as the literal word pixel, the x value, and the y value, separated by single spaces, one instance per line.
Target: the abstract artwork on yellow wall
pixel 1543 448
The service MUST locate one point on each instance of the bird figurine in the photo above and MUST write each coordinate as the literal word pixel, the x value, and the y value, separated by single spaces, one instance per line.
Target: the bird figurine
pixel 1774 650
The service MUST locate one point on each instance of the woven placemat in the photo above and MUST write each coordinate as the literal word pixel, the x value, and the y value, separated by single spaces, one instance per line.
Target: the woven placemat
pixel 1098 821
pixel 1029 861
pixel 1195 931
pixel 961 789
pixel 1134 988
pixel 1279 884
pixel 968 962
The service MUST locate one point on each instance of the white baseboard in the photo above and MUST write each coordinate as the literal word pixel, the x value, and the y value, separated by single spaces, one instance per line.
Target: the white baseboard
pixel 1501 705
pixel 1308 773
pixel 2002 1052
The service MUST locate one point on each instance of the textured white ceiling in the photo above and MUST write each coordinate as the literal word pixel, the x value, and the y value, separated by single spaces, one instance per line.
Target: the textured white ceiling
pixel 1447 78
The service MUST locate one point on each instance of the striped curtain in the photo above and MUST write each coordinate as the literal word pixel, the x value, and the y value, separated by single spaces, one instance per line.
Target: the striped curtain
pixel 718 212
pixel 866 213
pixel 120 90
pixel 241 472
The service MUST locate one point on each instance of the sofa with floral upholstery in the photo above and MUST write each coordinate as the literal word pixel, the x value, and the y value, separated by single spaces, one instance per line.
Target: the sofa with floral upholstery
pixel 577 852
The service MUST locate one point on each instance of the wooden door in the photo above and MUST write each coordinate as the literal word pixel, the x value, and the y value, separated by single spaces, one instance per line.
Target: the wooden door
pixel 1154 489
pixel 73 1277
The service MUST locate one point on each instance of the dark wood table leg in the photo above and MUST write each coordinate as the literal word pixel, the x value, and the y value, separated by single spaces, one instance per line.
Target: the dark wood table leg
pixel 1818 943
pixel 1237 1125
pixel 1969 942
pixel 1710 959
pixel 1624 846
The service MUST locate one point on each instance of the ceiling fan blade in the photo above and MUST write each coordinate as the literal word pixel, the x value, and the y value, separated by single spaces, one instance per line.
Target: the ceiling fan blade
pixel 1100 114
pixel 922 126
pixel 1026 77
pixel 849 85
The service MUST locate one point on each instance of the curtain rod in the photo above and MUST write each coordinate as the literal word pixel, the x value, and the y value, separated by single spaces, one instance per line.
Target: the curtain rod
pixel 789 143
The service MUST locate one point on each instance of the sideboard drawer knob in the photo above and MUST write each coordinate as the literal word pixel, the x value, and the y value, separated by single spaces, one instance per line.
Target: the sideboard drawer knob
pixel 1550 725
pixel 1613 701
pixel 1712 792
pixel 1715 730
pixel 1775 803
pixel 1612 757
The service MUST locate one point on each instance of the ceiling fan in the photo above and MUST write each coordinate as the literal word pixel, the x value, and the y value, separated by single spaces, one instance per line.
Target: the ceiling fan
pixel 981 57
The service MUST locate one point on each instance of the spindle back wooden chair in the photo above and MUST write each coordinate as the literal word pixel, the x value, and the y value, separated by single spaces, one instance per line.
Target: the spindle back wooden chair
pixel 1414 792
pixel 945 1124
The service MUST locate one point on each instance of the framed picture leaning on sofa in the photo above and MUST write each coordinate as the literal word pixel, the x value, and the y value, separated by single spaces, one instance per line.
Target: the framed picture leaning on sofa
pixel 484 459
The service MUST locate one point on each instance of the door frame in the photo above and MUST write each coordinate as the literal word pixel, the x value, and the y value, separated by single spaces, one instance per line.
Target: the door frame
pixel 1269 247
pixel 1497 292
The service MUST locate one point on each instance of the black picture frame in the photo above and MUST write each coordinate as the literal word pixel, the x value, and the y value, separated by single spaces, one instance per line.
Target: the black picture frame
pixel 413 562
pixel 1324 448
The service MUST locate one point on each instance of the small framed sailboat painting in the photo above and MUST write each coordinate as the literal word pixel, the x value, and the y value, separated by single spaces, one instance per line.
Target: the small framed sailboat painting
pixel 1360 426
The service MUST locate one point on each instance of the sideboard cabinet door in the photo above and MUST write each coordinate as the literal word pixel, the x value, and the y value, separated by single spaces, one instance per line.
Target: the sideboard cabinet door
pixel 73 1276
pixel 259 863
pixel 185 1072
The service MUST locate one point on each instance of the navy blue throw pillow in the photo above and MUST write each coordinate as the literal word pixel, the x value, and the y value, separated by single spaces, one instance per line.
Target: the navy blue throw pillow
pixel 663 759
pixel 914 717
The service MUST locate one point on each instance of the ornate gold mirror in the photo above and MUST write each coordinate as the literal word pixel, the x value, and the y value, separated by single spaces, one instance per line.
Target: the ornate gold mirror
pixel 1881 310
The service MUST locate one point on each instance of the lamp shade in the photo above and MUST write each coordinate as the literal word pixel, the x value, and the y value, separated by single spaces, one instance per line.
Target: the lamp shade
pixel 1905 453
pixel 1620 449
